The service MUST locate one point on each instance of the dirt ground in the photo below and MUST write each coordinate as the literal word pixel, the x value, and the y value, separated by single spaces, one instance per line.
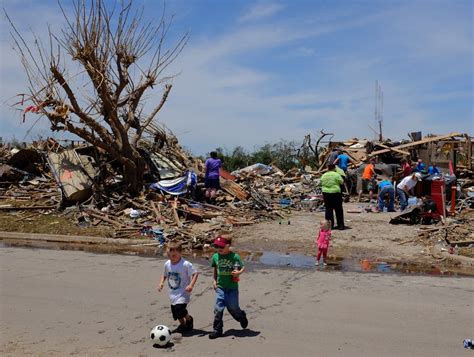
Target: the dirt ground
pixel 50 222
pixel 370 237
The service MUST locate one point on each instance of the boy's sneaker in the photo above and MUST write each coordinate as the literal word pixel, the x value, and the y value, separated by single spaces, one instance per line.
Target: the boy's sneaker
pixel 324 263
pixel 190 323
pixel 180 329
pixel 316 263
pixel 244 323
pixel 215 334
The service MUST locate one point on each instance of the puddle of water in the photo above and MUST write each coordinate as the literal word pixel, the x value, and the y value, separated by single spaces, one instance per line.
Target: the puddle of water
pixel 145 251
pixel 289 260
pixel 271 259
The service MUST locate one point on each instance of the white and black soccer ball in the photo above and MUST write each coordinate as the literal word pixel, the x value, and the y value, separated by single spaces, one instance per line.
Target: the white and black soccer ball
pixel 160 335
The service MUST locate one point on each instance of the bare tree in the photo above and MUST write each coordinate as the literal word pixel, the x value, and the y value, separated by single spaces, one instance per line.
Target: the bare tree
pixel 91 79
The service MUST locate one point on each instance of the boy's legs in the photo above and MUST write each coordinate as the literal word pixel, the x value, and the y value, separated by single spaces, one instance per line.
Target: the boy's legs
pixel 219 307
pixel 180 313
pixel 370 187
pixel 232 304
pixel 187 322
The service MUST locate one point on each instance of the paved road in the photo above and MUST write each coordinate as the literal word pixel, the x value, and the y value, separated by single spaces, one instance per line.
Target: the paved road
pixel 56 303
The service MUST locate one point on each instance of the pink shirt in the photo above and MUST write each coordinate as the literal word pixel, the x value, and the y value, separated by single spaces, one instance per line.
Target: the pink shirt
pixel 323 239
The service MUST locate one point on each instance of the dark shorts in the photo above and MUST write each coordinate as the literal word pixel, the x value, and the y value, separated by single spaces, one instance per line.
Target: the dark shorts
pixel 367 185
pixel 179 311
pixel 212 183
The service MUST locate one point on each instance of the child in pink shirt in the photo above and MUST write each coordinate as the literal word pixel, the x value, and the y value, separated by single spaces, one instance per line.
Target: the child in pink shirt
pixel 323 240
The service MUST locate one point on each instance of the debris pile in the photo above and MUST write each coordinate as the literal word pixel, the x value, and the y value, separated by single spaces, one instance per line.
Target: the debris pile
pixel 80 181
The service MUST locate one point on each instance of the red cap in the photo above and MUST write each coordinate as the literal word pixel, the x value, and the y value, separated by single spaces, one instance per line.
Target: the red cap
pixel 221 242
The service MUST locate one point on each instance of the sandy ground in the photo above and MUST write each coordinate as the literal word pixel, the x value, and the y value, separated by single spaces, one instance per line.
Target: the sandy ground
pixel 57 303
pixel 370 237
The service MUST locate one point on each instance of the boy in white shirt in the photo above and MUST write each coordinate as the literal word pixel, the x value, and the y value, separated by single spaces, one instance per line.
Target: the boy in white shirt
pixel 181 276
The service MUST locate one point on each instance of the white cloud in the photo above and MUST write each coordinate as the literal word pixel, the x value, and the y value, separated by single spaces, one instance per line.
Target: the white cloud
pixel 223 99
pixel 261 10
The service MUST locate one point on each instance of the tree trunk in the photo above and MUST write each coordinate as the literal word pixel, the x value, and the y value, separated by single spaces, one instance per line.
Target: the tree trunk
pixel 133 170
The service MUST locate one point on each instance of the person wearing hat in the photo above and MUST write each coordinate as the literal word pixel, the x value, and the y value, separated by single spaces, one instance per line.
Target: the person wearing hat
pixel 227 268
pixel 405 187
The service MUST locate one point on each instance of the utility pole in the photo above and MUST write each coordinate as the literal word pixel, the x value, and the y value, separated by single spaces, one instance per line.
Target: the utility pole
pixel 378 113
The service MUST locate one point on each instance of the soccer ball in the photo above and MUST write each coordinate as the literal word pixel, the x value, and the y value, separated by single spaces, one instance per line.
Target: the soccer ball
pixel 160 335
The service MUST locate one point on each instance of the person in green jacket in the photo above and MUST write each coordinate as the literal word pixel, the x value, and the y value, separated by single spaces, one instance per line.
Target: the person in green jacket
pixel 331 183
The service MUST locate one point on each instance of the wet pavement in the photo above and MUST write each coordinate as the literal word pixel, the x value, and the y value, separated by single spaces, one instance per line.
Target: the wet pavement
pixel 260 259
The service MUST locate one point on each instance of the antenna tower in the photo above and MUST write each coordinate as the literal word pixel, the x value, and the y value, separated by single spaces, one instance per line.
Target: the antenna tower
pixel 378 113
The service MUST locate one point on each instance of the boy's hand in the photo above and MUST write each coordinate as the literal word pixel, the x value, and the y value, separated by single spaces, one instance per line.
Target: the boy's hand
pixel 189 288
pixel 160 287
pixel 214 284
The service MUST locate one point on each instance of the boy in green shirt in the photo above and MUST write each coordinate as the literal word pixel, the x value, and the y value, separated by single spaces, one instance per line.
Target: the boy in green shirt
pixel 227 268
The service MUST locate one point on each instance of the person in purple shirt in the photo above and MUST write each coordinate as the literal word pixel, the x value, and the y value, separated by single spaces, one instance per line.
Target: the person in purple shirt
pixel 211 180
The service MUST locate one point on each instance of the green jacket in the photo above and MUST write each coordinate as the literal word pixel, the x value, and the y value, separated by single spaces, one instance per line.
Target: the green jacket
pixel 331 182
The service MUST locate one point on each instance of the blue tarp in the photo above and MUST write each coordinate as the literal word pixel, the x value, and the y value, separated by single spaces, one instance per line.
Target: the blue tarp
pixel 177 186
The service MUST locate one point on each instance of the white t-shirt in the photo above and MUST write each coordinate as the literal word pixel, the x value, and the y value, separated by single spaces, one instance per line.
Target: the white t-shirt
pixel 178 277
pixel 409 182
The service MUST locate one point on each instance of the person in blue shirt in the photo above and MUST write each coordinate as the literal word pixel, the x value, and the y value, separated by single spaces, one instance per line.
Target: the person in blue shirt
pixel 333 156
pixel 433 169
pixel 342 161
pixel 420 166
pixel 386 188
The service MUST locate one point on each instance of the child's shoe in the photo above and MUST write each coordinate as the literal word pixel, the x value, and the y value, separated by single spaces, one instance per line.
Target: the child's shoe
pixel 325 264
pixel 244 323
pixel 190 323
pixel 180 329
pixel 316 263
pixel 215 334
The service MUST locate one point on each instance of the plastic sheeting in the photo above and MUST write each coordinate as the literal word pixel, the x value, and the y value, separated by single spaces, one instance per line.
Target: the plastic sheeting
pixel 178 186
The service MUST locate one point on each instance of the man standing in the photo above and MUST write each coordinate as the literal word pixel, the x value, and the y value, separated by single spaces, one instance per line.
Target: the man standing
pixel 211 180
pixel 331 183
pixel 368 177
pixel 405 186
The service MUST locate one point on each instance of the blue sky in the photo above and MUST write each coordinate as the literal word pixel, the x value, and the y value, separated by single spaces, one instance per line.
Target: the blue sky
pixel 255 72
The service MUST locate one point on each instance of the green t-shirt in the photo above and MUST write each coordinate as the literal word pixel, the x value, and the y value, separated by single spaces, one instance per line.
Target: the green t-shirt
pixel 225 265
pixel 331 182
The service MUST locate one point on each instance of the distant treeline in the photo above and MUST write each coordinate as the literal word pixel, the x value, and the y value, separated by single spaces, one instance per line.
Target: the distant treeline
pixel 283 154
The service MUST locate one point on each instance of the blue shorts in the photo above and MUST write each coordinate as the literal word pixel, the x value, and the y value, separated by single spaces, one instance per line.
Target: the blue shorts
pixel 212 183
